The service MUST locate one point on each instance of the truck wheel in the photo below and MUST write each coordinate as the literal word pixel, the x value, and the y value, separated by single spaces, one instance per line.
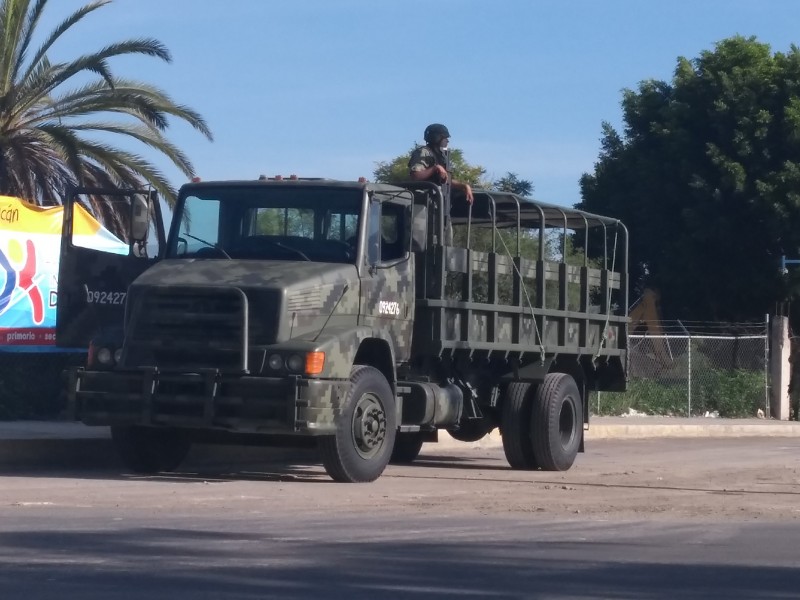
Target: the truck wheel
pixel 362 445
pixel 557 422
pixel 407 446
pixel 150 449
pixel 515 426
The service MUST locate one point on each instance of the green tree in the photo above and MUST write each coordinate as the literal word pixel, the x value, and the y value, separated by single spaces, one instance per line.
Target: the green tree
pixel 706 176
pixel 56 115
pixel 511 182
pixel 396 170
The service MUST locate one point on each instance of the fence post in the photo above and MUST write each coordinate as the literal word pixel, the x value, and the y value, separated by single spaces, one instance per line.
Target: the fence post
pixel 766 364
pixel 780 368
pixel 689 368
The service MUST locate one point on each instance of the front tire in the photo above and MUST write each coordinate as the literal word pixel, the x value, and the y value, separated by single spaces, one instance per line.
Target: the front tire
pixel 365 432
pixel 557 422
pixel 149 449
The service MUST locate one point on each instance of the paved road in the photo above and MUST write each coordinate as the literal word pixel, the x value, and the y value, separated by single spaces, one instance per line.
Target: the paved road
pixel 257 556
pixel 665 518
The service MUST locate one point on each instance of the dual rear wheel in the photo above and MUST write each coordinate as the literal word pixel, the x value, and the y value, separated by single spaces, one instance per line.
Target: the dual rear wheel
pixel 542 424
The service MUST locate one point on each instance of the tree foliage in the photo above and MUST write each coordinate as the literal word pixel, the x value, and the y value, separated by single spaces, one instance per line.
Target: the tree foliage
pixel 511 182
pixel 57 115
pixel 706 175
pixel 396 170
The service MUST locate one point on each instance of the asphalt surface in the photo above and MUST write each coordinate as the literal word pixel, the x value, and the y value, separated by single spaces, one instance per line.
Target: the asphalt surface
pixel 61 553
pixel 638 519
pixel 55 444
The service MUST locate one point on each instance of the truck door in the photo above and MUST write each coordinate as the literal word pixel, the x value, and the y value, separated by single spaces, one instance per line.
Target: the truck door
pixel 108 239
pixel 387 292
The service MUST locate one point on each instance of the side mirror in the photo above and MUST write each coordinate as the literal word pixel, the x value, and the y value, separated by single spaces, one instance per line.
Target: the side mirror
pixel 419 228
pixel 140 218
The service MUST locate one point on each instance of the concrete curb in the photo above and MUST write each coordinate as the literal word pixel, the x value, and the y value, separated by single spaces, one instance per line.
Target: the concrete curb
pixel 688 428
pixel 59 445
pixel 604 428
pixel 56 453
pixel 99 453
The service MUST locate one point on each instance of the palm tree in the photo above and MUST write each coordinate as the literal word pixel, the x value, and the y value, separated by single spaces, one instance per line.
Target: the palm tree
pixel 55 117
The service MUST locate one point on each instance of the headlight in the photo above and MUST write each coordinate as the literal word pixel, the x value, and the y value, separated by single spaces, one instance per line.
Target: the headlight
pixel 275 362
pixel 295 363
pixel 105 357
pixel 117 355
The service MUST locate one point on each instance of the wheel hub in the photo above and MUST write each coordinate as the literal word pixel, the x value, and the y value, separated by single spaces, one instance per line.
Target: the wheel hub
pixel 566 423
pixel 369 426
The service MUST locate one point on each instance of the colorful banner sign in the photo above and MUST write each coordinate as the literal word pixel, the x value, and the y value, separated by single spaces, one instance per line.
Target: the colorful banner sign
pixel 30 243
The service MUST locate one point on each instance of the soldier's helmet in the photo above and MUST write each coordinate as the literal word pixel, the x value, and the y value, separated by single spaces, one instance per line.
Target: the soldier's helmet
pixel 435 133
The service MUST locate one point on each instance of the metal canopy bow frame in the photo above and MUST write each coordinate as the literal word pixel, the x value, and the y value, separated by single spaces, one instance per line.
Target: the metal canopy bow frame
pixel 505 210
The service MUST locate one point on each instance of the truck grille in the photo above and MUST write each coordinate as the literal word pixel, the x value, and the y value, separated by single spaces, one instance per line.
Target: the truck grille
pixel 187 328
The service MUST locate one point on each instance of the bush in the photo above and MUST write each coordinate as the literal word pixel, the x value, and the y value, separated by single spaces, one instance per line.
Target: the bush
pixel 644 396
pixel 732 393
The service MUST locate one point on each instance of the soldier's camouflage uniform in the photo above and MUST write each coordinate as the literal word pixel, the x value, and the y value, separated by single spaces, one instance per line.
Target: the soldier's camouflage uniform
pixel 424 157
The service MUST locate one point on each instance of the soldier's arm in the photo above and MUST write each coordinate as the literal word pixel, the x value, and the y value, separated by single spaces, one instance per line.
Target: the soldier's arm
pixel 466 188
pixel 436 172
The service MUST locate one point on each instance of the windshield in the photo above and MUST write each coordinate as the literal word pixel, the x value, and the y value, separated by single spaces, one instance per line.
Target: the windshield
pixel 269 223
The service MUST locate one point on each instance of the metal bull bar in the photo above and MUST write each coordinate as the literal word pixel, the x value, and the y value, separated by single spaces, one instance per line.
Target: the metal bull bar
pixel 203 399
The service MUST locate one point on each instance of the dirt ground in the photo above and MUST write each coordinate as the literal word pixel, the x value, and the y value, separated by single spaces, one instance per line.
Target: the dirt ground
pixel 708 479
pixel 741 478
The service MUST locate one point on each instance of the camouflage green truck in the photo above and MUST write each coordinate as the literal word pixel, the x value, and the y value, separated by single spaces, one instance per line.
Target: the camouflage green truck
pixel 342 314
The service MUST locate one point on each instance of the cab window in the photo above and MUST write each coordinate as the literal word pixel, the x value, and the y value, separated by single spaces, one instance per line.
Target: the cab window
pixel 386 239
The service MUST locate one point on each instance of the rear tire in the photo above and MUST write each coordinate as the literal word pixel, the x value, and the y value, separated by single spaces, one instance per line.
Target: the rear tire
pixel 149 449
pixel 407 446
pixel 557 422
pixel 365 432
pixel 515 426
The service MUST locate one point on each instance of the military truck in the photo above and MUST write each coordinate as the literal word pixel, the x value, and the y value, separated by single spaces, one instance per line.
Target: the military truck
pixel 363 318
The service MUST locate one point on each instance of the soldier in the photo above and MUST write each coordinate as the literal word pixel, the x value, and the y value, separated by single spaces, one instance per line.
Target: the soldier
pixel 432 163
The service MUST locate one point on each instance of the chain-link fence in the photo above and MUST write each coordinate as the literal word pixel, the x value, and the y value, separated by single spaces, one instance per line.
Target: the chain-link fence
pixel 669 374
pixel 694 375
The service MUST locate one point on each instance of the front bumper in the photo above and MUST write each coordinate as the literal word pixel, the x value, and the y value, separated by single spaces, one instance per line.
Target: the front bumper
pixel 206 399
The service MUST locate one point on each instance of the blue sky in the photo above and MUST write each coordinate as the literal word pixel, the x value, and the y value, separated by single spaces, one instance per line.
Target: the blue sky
pixel 326 88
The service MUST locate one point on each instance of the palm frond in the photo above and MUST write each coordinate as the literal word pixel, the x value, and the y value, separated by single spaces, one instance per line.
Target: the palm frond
pixel 62 28
pixel 144 102
pixel 26 35
pixel 48 122
pixel 12 20
pixel 145 135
